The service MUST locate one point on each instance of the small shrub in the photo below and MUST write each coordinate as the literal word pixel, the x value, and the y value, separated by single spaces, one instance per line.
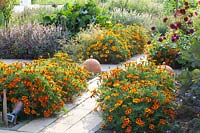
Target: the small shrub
pixel 137 98
pixel 29 41
pixel 75 16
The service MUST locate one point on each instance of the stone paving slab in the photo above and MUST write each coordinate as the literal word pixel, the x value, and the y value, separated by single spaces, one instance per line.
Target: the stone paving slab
pixel 36 125
pixel 89 124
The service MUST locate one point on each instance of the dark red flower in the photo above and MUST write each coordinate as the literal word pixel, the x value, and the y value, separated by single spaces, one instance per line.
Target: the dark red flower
pixel 191 31
pixel 189 22
pixel 160 39
pixel 199 2
pixel 149 42
pixel 186 19
pixel 153 28
pixel 187 7
pixel 177 55
pixel 173 39
pixel 172 26
pixel 196 13
pixel 182 11
pixel 178 24
pixel 165 19
pixel 186 3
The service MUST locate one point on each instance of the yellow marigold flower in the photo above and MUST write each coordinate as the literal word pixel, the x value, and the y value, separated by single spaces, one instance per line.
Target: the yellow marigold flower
pixel 136 100
pixel 114 48
pixel 102 125
pixel 107 98
pixel 149 111
pixel 111 109
pixel 118 103
pixel 115 94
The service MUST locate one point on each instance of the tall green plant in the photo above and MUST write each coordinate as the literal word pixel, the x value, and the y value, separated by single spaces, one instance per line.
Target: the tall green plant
pixel 6 7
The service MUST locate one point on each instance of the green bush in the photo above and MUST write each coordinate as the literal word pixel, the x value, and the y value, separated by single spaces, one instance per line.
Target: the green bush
pixel 29 41
pixel 75 16
pixel 137 98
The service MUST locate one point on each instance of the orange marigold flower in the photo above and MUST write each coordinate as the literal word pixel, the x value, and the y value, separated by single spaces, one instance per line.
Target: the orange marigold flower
pixel 128 129
pixel 109 118
pixel 139 122
pixel 116 83
pixel 24 98
pixel 162 121
pixel 151 126
pixel 27 110
pixel 155 94
pixel 119 103
pixel 155 106
pixel 126 121
pixel 33 112
pixel 128 111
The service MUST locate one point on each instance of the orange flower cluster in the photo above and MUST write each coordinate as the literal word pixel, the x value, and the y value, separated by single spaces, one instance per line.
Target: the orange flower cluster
pixel 43 85
pixel 113 45
pixel 135 96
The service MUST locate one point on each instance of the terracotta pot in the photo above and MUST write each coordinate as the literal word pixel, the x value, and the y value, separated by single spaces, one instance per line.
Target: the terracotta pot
pixel 92 65
pixel 167 68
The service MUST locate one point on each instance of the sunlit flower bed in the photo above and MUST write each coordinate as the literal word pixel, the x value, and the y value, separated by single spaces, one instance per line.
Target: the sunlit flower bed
pixel 43 85
pixel 137 98
pixel 113 45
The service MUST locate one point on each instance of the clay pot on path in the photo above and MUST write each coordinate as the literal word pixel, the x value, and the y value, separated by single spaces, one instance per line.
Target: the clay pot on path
pixel 92 65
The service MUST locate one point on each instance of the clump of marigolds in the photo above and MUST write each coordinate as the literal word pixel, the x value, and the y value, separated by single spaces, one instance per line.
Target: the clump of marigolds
pixel 137 98
pixel 112 45
pixel 43 85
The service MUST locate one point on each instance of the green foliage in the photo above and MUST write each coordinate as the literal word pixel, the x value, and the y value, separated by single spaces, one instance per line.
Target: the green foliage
pixel 75 16
pixel 191 56
pixel 6 7
pixel 137 98
pixel 170 5
pixel 190 92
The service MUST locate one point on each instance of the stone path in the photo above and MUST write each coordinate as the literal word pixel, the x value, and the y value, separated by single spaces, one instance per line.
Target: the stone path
pixel 80 119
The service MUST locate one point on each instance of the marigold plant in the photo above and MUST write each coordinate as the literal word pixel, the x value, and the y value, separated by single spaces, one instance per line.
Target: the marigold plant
pixel 112 45
pixel 137 98
pixel 42 85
